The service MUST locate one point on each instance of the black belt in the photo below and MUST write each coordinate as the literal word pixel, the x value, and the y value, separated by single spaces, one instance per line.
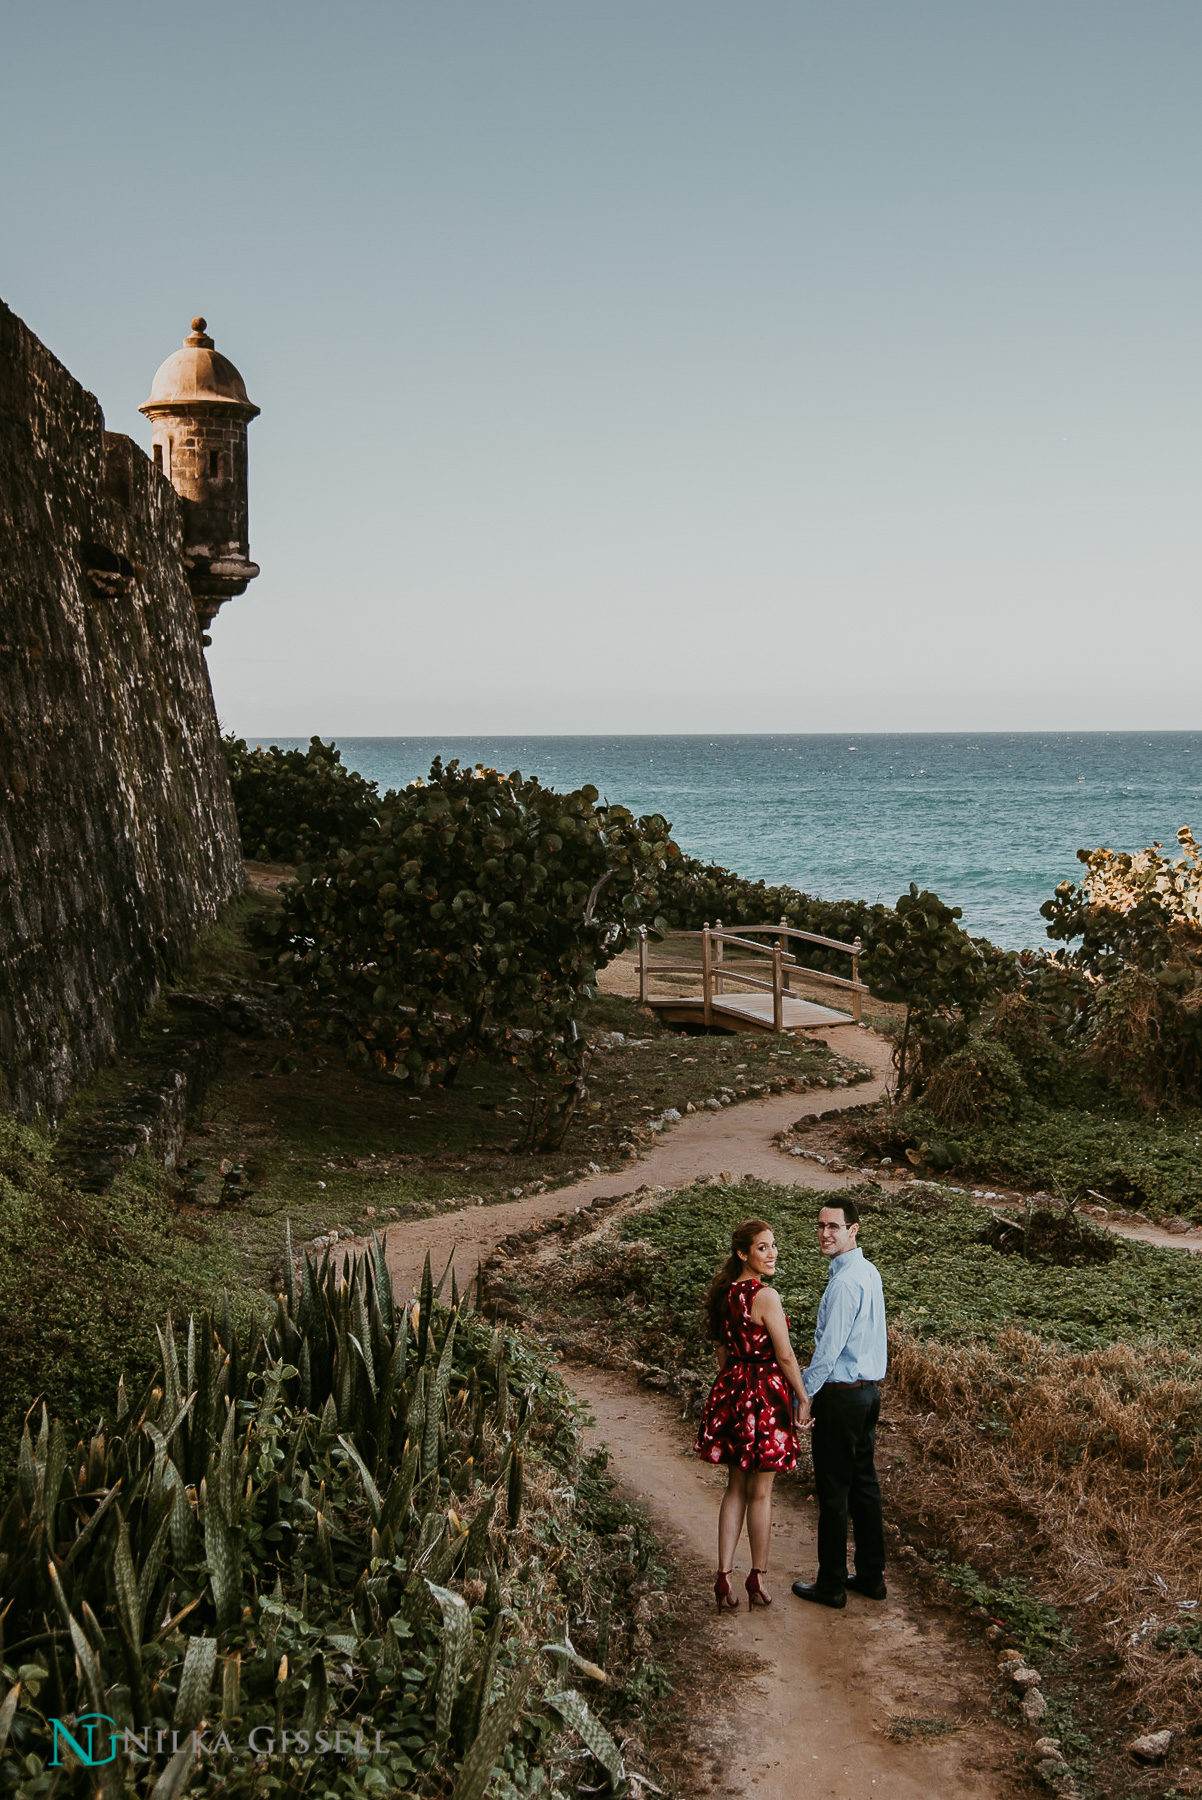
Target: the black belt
pixel 849 1384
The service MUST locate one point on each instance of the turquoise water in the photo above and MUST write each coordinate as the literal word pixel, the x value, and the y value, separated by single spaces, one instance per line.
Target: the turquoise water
pixel 992 823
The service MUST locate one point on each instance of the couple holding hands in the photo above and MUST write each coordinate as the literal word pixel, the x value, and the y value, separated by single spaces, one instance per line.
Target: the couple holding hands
pixel 762 1398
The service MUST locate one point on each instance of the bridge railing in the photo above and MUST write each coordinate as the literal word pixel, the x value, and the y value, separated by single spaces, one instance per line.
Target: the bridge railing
pixel 776 962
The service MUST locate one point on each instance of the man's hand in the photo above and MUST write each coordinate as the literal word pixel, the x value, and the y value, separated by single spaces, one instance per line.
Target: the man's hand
pixel 802 1415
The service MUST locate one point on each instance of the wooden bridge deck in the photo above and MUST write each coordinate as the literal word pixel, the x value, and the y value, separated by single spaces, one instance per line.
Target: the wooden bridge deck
pixel 771 1007
pixel 745 1012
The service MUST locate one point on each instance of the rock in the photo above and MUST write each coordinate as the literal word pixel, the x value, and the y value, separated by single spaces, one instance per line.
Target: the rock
pixel 670 1116
pixel 795 1151
pixel 1048 1767
pixel 1048 1746
pixel 1010 1656
pixel 1023 1677
pixel 689 1107
pixel 1153 1747
pixel 1177 1225
pixel 1034 1706
pixel 837 1164
pixel 713 1105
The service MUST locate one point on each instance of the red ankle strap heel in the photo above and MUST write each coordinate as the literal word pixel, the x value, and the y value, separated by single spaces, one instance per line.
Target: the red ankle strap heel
pixel 722 1592
pixel 755 1593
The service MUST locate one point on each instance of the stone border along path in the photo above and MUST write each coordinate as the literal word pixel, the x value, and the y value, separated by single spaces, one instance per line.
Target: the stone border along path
pixel 805 1721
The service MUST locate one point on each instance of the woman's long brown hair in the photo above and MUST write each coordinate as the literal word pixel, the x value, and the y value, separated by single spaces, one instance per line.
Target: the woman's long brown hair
pixel 717 1296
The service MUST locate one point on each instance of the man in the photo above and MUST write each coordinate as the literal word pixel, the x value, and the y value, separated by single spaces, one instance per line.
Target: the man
pixel 843 1392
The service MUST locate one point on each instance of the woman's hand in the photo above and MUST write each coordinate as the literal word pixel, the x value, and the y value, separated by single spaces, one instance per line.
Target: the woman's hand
pixel 766 1310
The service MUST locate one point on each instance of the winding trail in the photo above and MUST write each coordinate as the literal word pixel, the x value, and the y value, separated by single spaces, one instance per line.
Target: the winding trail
pixel 811 1690
pixel 737 1141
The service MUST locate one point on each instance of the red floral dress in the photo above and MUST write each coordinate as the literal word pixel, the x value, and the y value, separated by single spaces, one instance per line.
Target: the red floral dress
pixel 748 1418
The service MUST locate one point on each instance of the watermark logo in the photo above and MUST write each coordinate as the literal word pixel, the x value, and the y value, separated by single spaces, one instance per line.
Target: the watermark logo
pixel 261 1741
pixel 88 1724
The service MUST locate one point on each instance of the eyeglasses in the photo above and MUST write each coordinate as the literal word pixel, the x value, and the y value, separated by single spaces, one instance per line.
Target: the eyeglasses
pixel 825 1227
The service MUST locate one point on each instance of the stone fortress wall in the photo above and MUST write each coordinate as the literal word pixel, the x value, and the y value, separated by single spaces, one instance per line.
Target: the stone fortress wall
pixel 118 839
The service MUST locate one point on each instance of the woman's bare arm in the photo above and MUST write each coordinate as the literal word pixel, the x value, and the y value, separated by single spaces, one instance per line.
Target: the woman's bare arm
pixel 723 1355
pixel 767 1311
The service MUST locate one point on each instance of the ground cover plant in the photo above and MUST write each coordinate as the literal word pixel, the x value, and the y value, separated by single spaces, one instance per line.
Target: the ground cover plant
pixel 1152 1163
pixel 85 1277
pixel 1042 1445
pixel 366 1517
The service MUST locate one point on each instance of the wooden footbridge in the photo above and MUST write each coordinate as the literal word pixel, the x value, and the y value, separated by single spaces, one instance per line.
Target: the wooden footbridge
pixel 765 968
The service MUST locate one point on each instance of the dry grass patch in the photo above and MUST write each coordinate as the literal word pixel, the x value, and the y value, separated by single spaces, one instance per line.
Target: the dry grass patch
pixel 1086 1468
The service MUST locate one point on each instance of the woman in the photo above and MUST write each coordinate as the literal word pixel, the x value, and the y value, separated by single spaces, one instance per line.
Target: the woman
pixel 748 1418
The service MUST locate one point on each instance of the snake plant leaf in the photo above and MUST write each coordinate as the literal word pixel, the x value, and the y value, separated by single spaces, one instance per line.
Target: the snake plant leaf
pixel 573 1710
pixel 152 1562
pixel 442 1280
pixel 475 1694
pixel 289 1268
pixel 489 1743
pixel 383 1284
pixel 477 1537
pixel 425 1308
pixel 363 1324
pixel 375 1504
pixel 51 1471
pixel 126 1583
pixel 517 1470
pixel 329 1420
pixel 317 1700
pixel 365 1363
pixel 442 1381
pixel 396 1505
pixel 456 1635
pixel 7 1713
pixel 195 1682
pixel 90 1530
pixel 223 1554
pixel 231 1687
pixel 173 1781
pixel 27 1473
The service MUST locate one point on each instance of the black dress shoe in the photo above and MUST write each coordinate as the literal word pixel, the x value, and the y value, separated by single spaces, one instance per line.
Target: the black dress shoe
pixel 809 1590
pixel 871 1586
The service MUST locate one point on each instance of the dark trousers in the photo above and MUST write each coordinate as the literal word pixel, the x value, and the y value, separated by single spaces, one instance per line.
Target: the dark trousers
pixel 844 1440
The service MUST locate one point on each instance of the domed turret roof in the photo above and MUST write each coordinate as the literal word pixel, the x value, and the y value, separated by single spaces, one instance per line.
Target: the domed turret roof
pixel 197 376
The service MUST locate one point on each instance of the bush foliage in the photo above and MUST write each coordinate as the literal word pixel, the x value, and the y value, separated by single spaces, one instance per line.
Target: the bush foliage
pixel 293 803
pixel 474 914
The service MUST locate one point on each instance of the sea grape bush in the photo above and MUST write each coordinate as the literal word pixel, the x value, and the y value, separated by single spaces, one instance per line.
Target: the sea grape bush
pixel 1128 995
pixel 277 1535
pixel 291 802
pixel 695 893
pixel 919 956
pixel 473 914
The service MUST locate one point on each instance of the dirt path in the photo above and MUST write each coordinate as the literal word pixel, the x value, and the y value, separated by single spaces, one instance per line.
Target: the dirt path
pixel 737 1141
pixel 812 1719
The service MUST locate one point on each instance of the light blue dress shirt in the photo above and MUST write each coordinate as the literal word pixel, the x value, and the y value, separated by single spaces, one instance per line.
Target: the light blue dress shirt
pixel 849 1338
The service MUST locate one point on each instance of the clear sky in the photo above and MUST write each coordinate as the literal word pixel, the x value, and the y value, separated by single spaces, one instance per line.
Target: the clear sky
pixel 654 365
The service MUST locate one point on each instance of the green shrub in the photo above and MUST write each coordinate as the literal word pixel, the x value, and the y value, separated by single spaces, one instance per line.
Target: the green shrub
pixel 979 1084
pixel 475 913
pixel 293 803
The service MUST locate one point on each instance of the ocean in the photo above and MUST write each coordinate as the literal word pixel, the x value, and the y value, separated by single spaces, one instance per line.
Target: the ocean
pixel 991 823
